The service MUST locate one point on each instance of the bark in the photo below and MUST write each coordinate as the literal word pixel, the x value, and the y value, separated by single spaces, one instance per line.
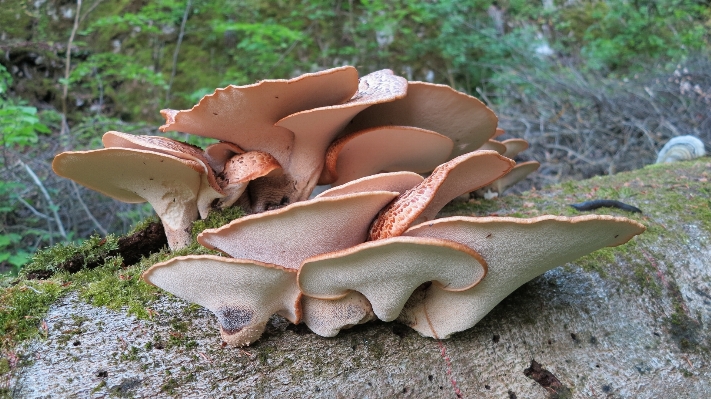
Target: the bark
pixel 637 329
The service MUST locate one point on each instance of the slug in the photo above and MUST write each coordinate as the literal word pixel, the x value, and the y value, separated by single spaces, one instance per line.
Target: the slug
pixel 594 204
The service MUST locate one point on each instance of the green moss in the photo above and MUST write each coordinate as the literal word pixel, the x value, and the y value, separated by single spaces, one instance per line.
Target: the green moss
pixel 217 219
pixel 22 308
pixel 90 250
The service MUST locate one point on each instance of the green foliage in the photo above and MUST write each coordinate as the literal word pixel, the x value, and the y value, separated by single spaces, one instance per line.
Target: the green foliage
pixel 19 123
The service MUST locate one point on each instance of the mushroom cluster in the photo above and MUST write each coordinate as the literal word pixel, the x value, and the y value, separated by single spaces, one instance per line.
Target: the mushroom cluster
pixel 369 247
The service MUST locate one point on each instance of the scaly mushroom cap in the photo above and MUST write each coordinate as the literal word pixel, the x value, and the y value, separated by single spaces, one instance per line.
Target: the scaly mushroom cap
pixel 518 173
pixel 388 149
pixel 289 235
pixel 462 118
pixel 327 317
pixel 240 170
pixel 516 250
pixel 243 294
pixel 393 181
pixel 209 189
pixel 388 271
pixel 246 116
pixel 315 129
pixel 171 185
pixel 219 153
pixel 461 175
pixel 514 147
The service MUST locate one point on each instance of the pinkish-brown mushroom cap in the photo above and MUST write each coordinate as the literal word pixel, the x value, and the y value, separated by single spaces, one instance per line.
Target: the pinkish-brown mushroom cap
pixel 516 250
pixel 243 294
pixel 289 235
pixel 462 118
pixel 389 270
pixel 392 181
pixel 384 149
pixel 171 185
pixel 461 175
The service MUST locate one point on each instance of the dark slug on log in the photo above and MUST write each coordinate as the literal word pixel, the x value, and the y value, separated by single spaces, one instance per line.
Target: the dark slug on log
pixel 601 203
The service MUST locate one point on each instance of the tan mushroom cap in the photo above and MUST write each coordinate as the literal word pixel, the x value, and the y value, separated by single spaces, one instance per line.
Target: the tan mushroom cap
pixel 518 173
pixel 389 270
pixel 393 181
pixel 462 118
pixel 289 235
pixel 493 145
pixel 516 250
pixel 514 147
pixel 461 175
pixel 245 115
pixel 171 185
pixel 209 188
pixel 327 317
pixel 219 153
pixel 241 169
pixel 315 129
pixel 384 149
pixel 499 132
pixel 243 294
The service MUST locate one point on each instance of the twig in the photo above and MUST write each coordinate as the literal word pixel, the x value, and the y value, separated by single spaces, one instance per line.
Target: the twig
pixel 88 212
pixel 52 206
pixel 67 66
pixel 177 49
pixel 33 210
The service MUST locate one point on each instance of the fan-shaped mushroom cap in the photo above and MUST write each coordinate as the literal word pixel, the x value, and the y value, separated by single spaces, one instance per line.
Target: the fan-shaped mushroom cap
pixel 499 132
pixel 246 116
pixel 388 271
pixel 514 147
pixel 209 189
pixel 461 175
pixel 289 235
pixel 518 173
pixel 389 149
pixel 171 185
pixel 243 294
pixel 328 317
pixel 516 250
pixel 393 181
pixel 219 153
pixel 241 169
pixel 315 129
pixel 462 118
pixel 493 145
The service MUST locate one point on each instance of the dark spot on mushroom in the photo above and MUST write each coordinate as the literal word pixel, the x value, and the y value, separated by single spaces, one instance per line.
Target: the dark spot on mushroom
pixel 214 113
pixel 233 319
pixel 277 97
pixel 496 338
pixel 284 201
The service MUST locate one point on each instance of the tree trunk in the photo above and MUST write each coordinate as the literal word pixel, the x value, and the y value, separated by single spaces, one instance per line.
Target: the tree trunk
pixel 630 325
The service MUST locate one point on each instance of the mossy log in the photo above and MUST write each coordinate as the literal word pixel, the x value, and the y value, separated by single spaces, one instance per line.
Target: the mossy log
pixel 625 322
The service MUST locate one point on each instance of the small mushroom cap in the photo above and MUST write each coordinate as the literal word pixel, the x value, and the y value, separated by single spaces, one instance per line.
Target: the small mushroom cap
pixel 393 181
pixel 516 250
pixel 518 173
pixel 514 147
pixel 388 149
pixel 388 271
pixel 499 132
pixel 171 185
pixel 462 118
pixel 493 145
pixel 315 129
pixel 289 235
pixel 327 317
pixel 239 170
pixel 245 115
pixel 461 175
pixel 209 188
pixel 243 294
pixel 219 153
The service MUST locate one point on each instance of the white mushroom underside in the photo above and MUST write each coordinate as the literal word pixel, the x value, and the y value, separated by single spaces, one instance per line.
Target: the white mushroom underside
pixel 516 250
